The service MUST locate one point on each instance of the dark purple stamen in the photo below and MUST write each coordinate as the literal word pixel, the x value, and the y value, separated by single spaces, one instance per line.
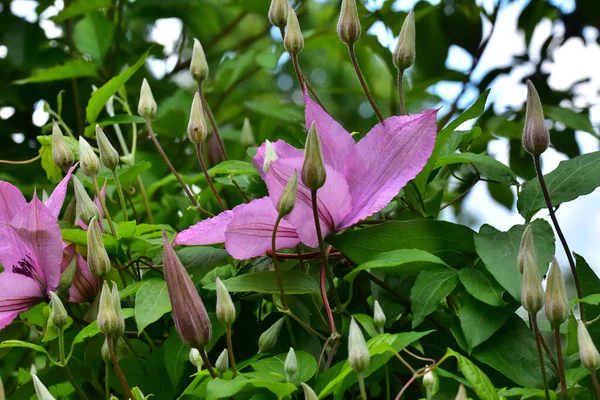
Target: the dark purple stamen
pixel 25 266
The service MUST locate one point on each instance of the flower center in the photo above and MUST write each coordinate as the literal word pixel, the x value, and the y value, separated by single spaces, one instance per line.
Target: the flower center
pixel 25 266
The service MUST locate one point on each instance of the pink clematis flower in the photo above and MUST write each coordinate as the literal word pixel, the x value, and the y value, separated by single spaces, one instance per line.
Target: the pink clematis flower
pixel 31 248
pixel 362 178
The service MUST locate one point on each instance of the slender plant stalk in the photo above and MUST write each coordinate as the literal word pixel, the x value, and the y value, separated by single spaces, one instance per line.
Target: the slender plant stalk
pixel 230 350
pixel 212 121
pixel 207 176
pixel 362 81
pixel 411 380
pixel 238 187
pixel 537 333
pixel 305 326
pixel 63 364
pixel 565 245
pixel 107 380
pixel 401 92
pixel 118 371
pixel 299 75
pixel 361 385
pixel 388 391
pixel 596 386
pixel 284 300
pixel 561 366
pixel 120 194
pixel 78 389
pixel 103 205
pixel 207 363
pixel 145 199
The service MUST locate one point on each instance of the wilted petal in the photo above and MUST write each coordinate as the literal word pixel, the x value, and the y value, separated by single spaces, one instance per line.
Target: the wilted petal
pixel 250 231
pixel 57 198
pixel 336 142
pixel 333 200
pixel 208 231
pixel 85 285
pixel 282 149
pixel 11 201
pixel 385 160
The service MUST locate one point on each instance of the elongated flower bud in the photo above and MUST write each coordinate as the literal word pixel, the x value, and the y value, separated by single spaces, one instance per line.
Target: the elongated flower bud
pixel 588 353
pixel 121 349
pixel 430 383
pixel 196 359
pixel 191 320
pixel 58 314
pixel 268 339
pixel 110 316
pixel 405 53
pixel 287 200
pixel 290 367
pixel 313 169
pixel 293 40
pixel 109 156
pixel 309 394
pixel 198 64
pixel 84 206
pixel 557 305
pixel 62 155
pixel 88 160
pixel 196 129
pixel 536 137
pixel 532 294
pixel 378 316
pixel 147 106
pixel 278 12
pixel 247 137
pixel 222 364
pixel 42 392
pixel 462 393
pixel 348 27
pixel 526 249
pixel 225 307
pixel 270 156
pixel 358 352
pixel 98 260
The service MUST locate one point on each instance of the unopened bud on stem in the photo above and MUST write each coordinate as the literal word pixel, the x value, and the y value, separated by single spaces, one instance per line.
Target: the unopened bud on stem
pixel 198 64
pixel 84 206
pixel 290 367
pixel 588 353
pixel 268 339
pixel 378 316
pixel 88 160
pixel 270 156
pixel 278 12
pixel 222 364
pixel 532 294
pixel 196 359
pixel 313 169
pixel 109 156
pixel 98 260
pixel 225 307
pixel 536 137
pixel 348 27
pixel 358 352
pixel 287 200
pixel 62 155
pixel 147 106
pixel 527 248
pixel 557 305
pixel 110 316
pixel 41 390
pixel 196 129
pixel 293 41
pixel 309 394
pixel 405 53
pixel 58 314
pixel 247 137
pixel 462 393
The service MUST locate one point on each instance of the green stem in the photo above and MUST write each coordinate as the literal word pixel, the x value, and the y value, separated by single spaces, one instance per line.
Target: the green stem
pixel 596 386
pixel 207 176
pixel 145 199
pixel 561 366
pixel 103 204
pixel 306 326
pixel 121 139
pixel 118 371
pixel 362 81
pixel 75 385
pixel 361 384
pixel 401 92
pixel 388 392
pixel 284 300
pixel 230 350
pixel 288 324
pixel 120 194
pixel 149 341
pixel 537 333
pixel 107 380
pixel 212 121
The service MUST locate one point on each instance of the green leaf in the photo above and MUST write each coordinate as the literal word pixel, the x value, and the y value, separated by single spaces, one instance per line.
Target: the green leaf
pixel 482 286
pixel 222 388
pixel 79 237
pixel 101 96
pixel 450 242
pixel 151 303
pixel 572 178
pixel 80 7
pixel 431 286
pixel 199 260
pixel 574 120
pixel 366 321
pixel 233 167
pixel 294 282
pixel 499 250
pixel 479 381
pixel 590 285
pixel 75 68
pixel 19 343
pixel 285 113
pixel 53 173
pixel 401 262
pixel 114 120
pixel 307 365
pixel 176 357
pixel 92 35
pixel 485 164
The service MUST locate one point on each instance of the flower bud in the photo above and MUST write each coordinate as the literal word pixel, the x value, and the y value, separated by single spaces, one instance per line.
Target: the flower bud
pixel 97 257
pixel 527 248
pixel 309 394
pixel 121 349
pixel 293 40
pixel 348 27
pixel 588 353
pixel 378 316
pixel 431 383
pixel 138 394
pixel 268 339
pixel 2 395
pixel 215 155
pixel 225 307
pixel 290 367
pixel 198 64
pixel 287 200
pixel 313 169
pixel 222 364
pixel 147 106
pixel 41 390
pixel 109 157
pixel 247 137
pixel 270 156
pixel 278 12
pixel 536 137
pixel 84 206
pixel 462 393
pixel 532 294
pixel 190 317
pixel 196 129
pixel 404 54
pixel 62 155
pixel 196 359
pixel 87 158
pixel 110 316
pixel 358 352
pixel 67 276
pixel 58 315
pixel 557 305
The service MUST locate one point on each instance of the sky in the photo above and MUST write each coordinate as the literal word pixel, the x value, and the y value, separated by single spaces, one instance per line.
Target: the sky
pixel 574 60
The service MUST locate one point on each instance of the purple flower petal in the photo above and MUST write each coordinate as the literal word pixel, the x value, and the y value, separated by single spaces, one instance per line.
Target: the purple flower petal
pixel 17 293
pixel 282 149
pixel 385 160
pixel 57 198
pixel 11 201
pixel 208 231
pixel 85 285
